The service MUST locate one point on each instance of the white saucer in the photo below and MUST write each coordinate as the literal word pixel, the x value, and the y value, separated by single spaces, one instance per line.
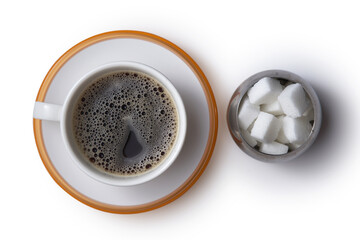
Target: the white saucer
pixel 188 79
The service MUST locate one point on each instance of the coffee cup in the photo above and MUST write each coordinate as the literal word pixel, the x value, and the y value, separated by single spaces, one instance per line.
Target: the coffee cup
pixel 117 106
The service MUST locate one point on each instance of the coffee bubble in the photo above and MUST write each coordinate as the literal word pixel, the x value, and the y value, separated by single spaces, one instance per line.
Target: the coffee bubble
pixel 125 123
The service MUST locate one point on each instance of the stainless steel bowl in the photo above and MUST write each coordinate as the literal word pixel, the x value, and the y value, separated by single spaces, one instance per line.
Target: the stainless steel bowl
pixel 233 108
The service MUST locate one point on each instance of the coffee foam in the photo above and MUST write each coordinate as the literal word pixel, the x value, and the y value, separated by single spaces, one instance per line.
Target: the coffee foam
pixel 117 104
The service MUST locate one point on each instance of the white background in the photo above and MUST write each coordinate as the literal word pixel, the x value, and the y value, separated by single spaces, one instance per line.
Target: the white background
pixel 315 197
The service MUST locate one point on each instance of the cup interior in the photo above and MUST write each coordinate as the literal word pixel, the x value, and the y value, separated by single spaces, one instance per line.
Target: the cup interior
pixel 71 144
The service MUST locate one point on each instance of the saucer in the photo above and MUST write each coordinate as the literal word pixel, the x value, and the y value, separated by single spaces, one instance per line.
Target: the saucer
pixel 184 74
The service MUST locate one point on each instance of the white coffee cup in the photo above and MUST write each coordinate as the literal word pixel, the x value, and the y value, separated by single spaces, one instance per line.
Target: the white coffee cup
pixel 63 114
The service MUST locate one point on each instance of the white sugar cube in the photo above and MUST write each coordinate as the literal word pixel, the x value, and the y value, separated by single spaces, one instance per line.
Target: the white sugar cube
pixel 293 100
pixel 251 126
pixel 296 130
pixel 266 127
pixel 293 146
pixel 288 83
pixel 266 90
pixel 273 108
pixel 273 148
pixel 248 138
pixel 309 114
pixel 247 113
pixel 281 136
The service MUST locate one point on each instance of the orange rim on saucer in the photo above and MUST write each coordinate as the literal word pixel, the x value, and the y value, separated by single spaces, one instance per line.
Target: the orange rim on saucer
pixel 210 142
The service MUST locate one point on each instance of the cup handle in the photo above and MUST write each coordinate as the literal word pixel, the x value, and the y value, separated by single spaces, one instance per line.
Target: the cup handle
pixel 47 111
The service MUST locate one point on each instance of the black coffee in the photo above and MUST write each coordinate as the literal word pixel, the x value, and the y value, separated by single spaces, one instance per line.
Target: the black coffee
pixel 125 123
